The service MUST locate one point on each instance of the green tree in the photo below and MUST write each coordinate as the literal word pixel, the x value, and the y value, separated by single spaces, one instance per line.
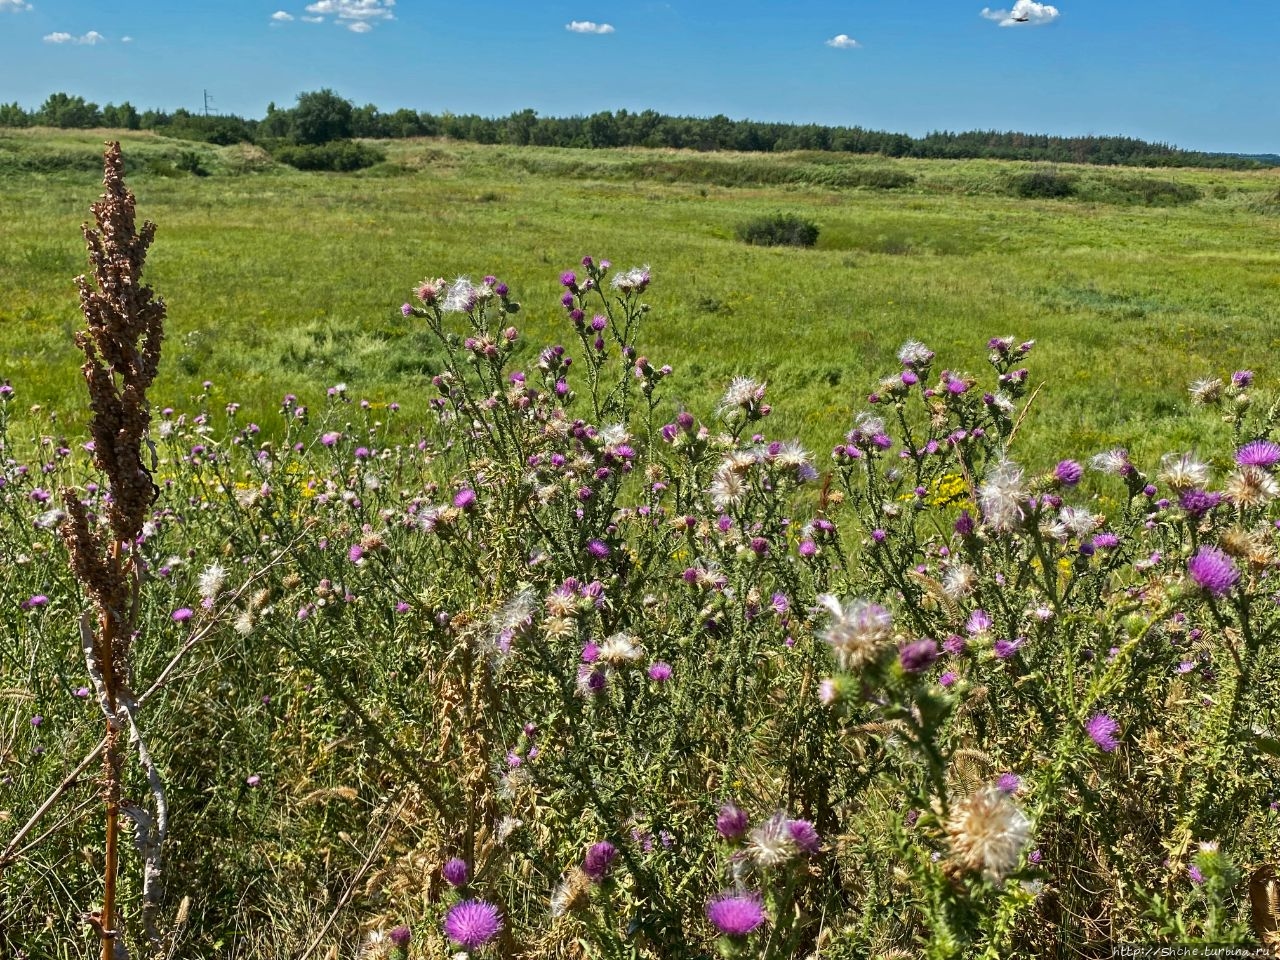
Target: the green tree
pixel 123 117
pixel 12 115
pixel 61 110
pixel 321 116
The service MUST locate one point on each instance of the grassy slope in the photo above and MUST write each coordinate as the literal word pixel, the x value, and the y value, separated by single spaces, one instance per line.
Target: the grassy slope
pixel 279 280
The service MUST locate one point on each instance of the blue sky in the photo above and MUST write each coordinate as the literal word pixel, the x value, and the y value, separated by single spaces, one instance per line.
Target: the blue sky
pixel 1201 75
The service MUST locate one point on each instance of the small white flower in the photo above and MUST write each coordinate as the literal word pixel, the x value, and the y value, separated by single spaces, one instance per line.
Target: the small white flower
pixel 462 297
pixel 1206 391
pixel 1251 487
pixel 743 392
pixel 619 650
pixel 50 518
pixel 913 353
pixel 211 580
pixel 1183 471
pixel 727 489
pixel 770 844
pixel 1001 496
pixel 988 833
pixel 637 278
pixel 959 580
pixel 1114 461
pixel 858 631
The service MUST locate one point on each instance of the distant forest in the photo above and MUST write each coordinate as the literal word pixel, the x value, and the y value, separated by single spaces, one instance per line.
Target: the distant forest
pixel 322 117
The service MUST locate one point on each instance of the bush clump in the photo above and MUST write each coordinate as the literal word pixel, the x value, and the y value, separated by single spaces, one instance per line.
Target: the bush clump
pixel 779 230
pixel 1045 185
pixel 339 156
pixel 1152 193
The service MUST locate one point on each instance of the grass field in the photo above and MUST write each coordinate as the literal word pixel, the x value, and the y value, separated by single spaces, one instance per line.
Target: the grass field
pixel 279 280
pixel 942 708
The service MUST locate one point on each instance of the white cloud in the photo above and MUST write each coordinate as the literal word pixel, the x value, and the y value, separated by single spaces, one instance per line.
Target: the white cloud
pixel 843 41
pixel 360 11
pixel 88 39
pixel 1024 11
pixel 313 19
pixel 359 26
pixel 280 16
pixel 588 26
pixel 126 39
pixel 14 6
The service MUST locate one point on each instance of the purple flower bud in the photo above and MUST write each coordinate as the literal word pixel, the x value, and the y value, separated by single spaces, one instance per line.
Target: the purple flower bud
pixel 918 655
pixel 599 860
pixel 731 822
pixel 455 872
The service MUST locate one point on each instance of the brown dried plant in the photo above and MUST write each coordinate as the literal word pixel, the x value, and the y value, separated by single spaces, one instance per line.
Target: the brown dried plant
pixel 124 328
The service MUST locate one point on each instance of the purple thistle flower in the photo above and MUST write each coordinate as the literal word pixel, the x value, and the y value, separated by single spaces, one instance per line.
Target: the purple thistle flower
pixel 736 914
pixel 599 860
pixel 918 655
pixel 464 499
pixel 1242 378
pixel 356 553
pixel 1196 876
pixel 472 923
pixel 456 872
pixel 947 679
pixel 955 644
pixel 597 548
pixel 330 438
pixel 979 622
pixel 731 822
pixel 1009 783
pixel 182 615
pixel 1213 570
pixel 1198 502
pixel 1102 731
pixel 400 936
pixel 1068 472
pixel 805 836
pixel 1258 453
pixel 1004 649
pixel 659 671
pixel 1105 541
pixel 39 600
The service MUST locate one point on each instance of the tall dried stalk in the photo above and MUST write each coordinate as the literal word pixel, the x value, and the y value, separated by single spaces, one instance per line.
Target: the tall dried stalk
pixel 121 342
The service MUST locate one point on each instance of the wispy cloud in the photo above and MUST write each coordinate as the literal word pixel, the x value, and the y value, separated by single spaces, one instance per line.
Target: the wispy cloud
pixel 588 26
pixel 14 6
pixel 126 39
pixel 1024 12
pixel 87 39
pixel 358 16
pixel 313 19
pixel 280 16
pixel 842 41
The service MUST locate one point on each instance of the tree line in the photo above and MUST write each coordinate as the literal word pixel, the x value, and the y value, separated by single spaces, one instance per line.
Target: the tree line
pixel 321 117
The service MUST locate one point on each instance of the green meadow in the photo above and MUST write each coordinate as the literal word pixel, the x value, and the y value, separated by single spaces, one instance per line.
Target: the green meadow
pixel 282 281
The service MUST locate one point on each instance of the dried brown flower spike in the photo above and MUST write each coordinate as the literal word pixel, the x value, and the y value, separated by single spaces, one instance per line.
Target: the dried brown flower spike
pixel 121 343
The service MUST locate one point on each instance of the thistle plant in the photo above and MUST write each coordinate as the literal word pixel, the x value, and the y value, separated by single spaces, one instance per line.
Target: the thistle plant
pixel 568 670
pixel 124 329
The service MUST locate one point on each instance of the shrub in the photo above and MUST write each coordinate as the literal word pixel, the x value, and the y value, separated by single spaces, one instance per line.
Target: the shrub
pixel 1045 184
pixel 779 230
pixel 340 156
pixel 1149 192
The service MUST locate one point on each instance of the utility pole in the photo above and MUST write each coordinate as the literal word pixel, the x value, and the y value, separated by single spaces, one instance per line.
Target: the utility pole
pixel 207 100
